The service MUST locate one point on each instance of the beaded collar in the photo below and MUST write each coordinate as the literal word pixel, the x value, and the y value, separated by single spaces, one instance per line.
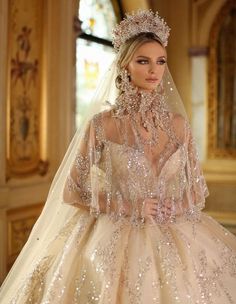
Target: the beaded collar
pixel 134 101
pixel 143 108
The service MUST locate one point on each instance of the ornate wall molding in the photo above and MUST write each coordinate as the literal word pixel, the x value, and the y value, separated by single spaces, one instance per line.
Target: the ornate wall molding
pixel 214 151
pixel 3 85
pixel 20 221
pixel 24 103
pixel 198 51
pixel 55 79
pixel 203 13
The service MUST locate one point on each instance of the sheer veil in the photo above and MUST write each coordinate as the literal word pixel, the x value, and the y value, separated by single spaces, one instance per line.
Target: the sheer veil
pixel 56 213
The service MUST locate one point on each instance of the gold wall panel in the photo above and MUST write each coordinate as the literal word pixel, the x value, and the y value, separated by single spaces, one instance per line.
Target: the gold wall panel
pixel 20 221
pixel 24 104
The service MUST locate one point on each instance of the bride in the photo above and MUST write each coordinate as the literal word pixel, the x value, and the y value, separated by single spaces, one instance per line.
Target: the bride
pixel 123 220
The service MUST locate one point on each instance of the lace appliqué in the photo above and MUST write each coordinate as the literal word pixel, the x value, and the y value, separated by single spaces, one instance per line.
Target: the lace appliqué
pixel 33 286
pixel 77 182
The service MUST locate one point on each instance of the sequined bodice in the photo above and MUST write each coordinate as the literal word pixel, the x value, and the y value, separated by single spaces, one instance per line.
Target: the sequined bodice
pixel 133 176
pixel 119 164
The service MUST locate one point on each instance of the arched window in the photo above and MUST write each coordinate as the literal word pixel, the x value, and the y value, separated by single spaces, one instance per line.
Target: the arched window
pixel 222 84
pixel 226 57
pixel 94 51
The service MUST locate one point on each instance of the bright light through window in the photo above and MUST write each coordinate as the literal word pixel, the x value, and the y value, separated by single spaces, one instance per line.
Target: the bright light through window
pixel 92 59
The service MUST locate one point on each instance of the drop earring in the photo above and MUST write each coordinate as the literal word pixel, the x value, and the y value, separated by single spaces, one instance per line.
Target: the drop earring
pixel 125 79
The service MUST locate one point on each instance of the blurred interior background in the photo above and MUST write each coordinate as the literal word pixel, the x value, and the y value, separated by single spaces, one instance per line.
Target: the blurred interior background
pixel 52 54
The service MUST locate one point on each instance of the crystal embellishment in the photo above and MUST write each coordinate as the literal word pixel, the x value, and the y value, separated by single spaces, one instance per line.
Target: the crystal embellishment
pixel 142 21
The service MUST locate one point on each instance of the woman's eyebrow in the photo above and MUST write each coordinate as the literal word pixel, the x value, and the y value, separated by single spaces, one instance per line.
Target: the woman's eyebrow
pixel 141 56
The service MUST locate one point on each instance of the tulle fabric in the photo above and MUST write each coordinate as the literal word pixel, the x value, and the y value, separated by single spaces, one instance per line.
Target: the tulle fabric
pixel 55 213
pixel 94 260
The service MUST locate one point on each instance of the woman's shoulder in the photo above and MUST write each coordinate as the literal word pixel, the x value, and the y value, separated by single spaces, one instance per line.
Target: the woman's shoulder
pixel 180 124
pixel 178 118
pixel 104 122
pixel 105 117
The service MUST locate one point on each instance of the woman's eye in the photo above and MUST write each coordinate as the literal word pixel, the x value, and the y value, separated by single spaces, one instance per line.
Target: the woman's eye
pixel 161 62
pixel 142 61
pixel 145 61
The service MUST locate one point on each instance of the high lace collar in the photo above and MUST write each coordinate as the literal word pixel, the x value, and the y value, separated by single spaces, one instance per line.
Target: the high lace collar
pixel 133 101
pixel 147 109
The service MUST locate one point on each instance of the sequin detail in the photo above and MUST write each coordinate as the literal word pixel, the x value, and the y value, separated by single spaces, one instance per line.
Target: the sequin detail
pixel 96 260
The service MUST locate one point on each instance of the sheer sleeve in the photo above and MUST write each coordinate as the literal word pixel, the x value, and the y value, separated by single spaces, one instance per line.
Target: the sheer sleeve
pixel 197 189
pixel 78 187
pixel 89 182
pixel 184 184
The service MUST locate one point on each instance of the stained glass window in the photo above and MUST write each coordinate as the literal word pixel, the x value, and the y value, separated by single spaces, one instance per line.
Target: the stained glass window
pixel 97 17
pixel 92 58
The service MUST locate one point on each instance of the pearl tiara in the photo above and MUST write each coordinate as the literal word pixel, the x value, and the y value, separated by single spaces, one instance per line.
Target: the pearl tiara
pixel 138 22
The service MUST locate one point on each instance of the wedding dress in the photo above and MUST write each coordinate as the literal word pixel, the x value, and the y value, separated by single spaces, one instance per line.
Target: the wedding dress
pixel 107 258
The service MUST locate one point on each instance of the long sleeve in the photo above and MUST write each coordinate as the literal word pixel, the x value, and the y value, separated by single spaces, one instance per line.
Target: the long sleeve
pixel 78 188
pixel 182 184
pixel 196 181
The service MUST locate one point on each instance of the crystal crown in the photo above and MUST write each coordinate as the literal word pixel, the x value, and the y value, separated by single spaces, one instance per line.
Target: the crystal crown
pixel 139 22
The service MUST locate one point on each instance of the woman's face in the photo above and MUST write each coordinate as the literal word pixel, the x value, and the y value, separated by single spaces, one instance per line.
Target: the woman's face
pixel 147 66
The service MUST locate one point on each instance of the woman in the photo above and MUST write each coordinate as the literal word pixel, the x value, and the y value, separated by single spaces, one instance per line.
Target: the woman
pixel 123 221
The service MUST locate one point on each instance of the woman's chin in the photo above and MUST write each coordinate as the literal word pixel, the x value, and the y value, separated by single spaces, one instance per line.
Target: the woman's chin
pixel 148 88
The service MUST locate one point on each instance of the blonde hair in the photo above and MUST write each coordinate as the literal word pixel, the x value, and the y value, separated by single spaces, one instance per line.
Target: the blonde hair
pixel 128 49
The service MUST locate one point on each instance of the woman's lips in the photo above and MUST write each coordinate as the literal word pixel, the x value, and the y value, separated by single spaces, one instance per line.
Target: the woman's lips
pixel 151 80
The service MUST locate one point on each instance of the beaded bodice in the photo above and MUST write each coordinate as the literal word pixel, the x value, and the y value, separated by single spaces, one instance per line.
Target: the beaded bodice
pixel 135 177
pixel 115 161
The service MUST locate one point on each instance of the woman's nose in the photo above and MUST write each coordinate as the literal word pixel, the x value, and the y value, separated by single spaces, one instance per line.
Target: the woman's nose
pixel 152 72
pixel 152 68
